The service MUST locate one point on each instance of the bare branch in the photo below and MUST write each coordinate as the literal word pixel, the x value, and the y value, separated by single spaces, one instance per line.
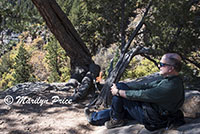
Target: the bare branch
pixel 139 26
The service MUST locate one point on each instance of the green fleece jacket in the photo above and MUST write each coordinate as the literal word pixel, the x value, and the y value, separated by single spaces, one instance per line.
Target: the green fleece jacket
pixel 167 93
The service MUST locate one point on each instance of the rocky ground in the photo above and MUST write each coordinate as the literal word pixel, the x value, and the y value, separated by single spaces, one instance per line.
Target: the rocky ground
pixel 48 118
pixel 42 115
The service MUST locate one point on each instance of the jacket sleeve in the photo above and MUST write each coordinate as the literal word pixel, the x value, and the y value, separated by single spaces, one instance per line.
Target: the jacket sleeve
pixel 158 93
pixel 143 83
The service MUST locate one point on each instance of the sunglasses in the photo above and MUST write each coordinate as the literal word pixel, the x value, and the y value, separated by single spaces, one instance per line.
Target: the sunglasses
pixel 164 64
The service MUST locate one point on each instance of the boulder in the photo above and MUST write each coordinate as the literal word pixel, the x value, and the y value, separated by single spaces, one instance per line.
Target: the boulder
pixel 31 88
pixel 191 106
pixel 191 127
pixel 27 88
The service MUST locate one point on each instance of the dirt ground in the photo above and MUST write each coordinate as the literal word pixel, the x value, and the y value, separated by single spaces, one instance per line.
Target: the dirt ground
pixel 48 118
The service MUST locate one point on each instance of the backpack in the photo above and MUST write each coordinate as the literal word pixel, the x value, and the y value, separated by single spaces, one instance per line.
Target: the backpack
pixel 154 120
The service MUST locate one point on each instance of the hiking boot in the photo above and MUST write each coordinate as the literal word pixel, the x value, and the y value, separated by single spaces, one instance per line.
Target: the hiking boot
pixel 88 114
pixel 75 98
pixel 114 123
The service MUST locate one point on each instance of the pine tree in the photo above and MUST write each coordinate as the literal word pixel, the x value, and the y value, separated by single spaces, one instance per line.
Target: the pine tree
pixel 57 61
pixel 23 71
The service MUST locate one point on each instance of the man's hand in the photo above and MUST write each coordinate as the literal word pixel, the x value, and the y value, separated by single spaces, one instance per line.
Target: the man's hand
pixel 114 89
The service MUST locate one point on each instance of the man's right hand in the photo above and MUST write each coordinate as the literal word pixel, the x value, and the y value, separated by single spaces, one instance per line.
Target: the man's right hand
pixel 114 89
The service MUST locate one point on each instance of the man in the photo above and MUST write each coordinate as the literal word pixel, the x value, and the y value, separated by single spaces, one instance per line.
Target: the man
pixel 155 104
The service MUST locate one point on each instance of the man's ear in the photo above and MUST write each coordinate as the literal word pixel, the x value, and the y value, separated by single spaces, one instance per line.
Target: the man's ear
pixel 172 68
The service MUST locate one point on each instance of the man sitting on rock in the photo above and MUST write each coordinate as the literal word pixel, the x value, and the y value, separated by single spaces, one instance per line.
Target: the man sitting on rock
pixel 155 104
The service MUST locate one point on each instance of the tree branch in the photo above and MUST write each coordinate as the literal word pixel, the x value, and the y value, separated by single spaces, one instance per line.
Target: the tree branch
pixel 193 62
pixel 140 24
pixel 149 58
pixel 123 61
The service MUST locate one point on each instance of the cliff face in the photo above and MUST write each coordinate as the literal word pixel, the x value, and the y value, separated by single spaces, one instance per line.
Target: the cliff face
pixel 42 108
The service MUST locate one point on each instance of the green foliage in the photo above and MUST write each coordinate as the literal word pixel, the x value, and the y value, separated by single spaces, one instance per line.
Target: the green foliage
pixel 23 71
pixel 98 22
pixel 16 15
pixel 138 68
pixel 66 5
pixel 144 68
pixel 14 68
pixel 57 61
pixel 6 64
pixel 6 79
pixel 171 26
pixel 65 76
pixel 191 72
pixel 174 27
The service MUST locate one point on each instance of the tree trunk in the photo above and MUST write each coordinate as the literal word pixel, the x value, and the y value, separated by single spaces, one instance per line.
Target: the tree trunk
pixel 67 36
pixel 105 96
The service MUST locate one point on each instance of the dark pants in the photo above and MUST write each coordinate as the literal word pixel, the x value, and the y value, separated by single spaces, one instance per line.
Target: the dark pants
pixel 121 108
pixel 144 113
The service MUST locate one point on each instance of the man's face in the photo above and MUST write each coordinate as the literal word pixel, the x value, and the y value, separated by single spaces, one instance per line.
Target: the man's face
pixel 165 66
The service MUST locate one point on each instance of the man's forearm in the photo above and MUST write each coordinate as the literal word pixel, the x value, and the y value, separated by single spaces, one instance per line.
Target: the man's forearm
pixel 122 93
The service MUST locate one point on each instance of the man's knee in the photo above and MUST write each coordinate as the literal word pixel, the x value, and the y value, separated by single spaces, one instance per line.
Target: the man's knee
pixel 122 86
pixel 115 98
